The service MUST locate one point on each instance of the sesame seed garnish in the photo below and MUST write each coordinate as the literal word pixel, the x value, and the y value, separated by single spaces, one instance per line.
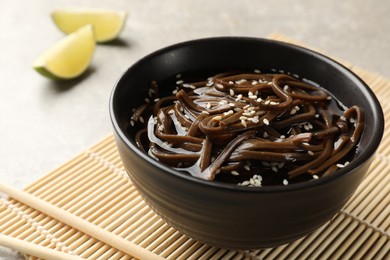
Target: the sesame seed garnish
pixel 342 118
pixel 179 164
pixel 218 118
pixel 340 165
pixel 208 105
pixel 310 152
pixel 222 102
pixel 305 143
pixel 205 112
pixel 243 122
pixel 171 112
pixel 254 82
pixel 179 82
pixel 265 121
pixel 178 76
pixel 228 113
pixel 267 102
pixel 306 127
pixel 274 103
pixel 246 167
pixel 156 99
pixel 239 96
pixel 132 123
pixel 282 136
pixel 252 97
pixel 232 104
pixel 210 83
pixel 237 109
pixel 243 118
pixel 235 173
pixel 259 100
pixel 231 92
pixel 186 116
pixel 257 71
pixel 329 97
pixel 297 108
pixel 174 92
pixel 246 106
pixel 147 100
pixel 293 111
pixel 141 119
pixel 315 177
pixel 281 165
pixel 285 182
pixel 316 115
pixel 286 88
pixel 273 168
pixel 255 120
pixel 231 83
pixel 247 114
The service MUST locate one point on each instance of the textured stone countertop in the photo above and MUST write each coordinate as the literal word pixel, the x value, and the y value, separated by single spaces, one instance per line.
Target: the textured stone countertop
pixel 44 123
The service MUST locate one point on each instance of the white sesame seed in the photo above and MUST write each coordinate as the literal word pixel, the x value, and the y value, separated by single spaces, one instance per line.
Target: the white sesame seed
pixel 252 97
pixel 254 82
pixel 210 83
pixel 285 182
pixel 243 118
pixel 329 97
pixel 186 116
pixel 281 165
pixel 342 118
pixel 141 119
pixel 235 173
pixel 255 120
pixel 250 93
pixel 274 103
pixel 179 82
pixel 178 76
pixel 156 99
pixel 246 167
pixel 218 118
pixel 310 152
pixel 232 104
pixel 246 114
pixel 286 88
pixel 273 168
pixel 239 96
pixel 282 136
pixel 205 112
pixel 266 121
pixel 305 143
pixel 293 112
pixel 243 122
pixel 231 92
pixel 306 127
pixel 208 105
pixel 297 108
pixel 174 92
pixel 316 115
pixel 231 83
pixel 257 71
pixel 259 100
pixel 171 112
pixel 147 100
pixel 340 165
pixel 246 106
pixel 222 102
pixel 241 81
pixel 245 183
pixel 228 113
pixel 267 102
pixel 310 125
pixel 237 109
pixel 346 163
pixel 315 177
pixel 132 123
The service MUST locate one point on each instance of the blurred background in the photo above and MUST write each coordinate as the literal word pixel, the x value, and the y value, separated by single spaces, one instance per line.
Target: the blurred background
pixel 45 123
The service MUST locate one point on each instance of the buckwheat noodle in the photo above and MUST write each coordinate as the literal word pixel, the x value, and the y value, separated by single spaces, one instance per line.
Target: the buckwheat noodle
pixel 253 129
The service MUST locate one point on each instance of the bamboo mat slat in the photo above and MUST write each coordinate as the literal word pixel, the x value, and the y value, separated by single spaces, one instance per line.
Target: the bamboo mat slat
pixel 94 186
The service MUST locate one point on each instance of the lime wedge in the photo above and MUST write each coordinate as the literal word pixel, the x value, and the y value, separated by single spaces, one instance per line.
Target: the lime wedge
pixel 68 58
pixel 107 23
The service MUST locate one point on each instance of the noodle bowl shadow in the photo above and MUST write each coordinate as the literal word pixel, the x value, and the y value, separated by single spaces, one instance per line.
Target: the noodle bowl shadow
pixel 226 215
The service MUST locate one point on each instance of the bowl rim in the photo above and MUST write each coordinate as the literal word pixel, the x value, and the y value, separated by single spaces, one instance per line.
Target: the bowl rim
pixel 364 156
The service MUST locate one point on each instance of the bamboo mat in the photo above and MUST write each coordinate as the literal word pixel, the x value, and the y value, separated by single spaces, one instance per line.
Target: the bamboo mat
pixel 94 186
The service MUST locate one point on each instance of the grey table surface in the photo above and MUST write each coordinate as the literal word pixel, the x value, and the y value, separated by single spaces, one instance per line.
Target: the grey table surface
pixel 45 123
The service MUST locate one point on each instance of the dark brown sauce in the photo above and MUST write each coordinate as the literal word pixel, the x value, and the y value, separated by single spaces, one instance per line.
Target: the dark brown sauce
pixel 247 128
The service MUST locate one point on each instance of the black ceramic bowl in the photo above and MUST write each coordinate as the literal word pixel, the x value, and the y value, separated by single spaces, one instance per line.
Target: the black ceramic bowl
pixel 226 215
